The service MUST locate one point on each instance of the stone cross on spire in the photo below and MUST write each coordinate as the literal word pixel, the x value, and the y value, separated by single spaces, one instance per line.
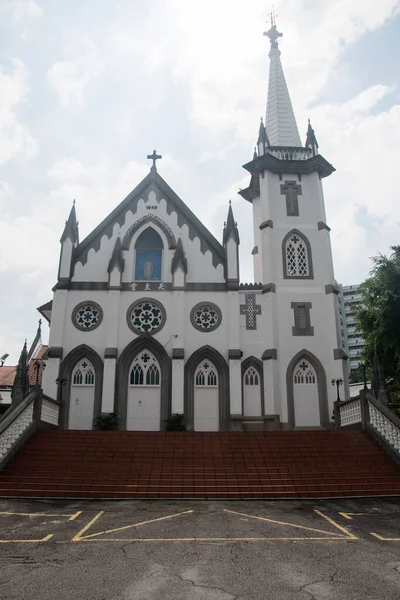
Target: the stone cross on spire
pixel 154 157
pixel 273 35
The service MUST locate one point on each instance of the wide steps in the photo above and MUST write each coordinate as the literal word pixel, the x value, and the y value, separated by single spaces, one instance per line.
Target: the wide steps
pixel 242 465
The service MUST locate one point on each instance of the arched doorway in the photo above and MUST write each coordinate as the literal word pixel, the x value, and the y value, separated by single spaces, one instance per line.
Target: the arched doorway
pixel 144 393
pixel 81 401
pixel 217 361
pixel 206 398
pixel 307 392
pixel 126 363
pixel 68 391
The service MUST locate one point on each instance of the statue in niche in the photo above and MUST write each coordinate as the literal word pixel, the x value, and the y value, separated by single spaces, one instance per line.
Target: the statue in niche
pixel 148 269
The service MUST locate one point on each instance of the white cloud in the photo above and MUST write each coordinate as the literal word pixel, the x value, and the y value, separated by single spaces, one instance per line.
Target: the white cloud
pixel 21 9
pixel 71 77
pixel 14 137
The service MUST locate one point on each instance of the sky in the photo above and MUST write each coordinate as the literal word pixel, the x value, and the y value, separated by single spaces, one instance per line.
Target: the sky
pixel 88 88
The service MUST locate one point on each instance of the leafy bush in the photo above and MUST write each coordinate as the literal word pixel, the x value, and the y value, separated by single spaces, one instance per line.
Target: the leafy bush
pixel 176 422
pixel 107 422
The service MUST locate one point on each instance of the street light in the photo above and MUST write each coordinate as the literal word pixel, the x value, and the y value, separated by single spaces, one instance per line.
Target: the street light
pixel 338 383
pixel 3 358
pixel 362 365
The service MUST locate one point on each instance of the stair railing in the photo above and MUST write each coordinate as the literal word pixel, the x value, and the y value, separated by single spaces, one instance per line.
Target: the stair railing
pixel 20 421
pixel 366 412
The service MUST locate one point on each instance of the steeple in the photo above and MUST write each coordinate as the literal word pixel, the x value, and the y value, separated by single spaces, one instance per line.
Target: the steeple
pixel 230 229
pixel 280 120
pixel 311 140
pixel 71 230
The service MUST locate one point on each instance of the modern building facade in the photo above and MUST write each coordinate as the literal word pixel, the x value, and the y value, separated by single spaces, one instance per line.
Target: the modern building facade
pixel 355 342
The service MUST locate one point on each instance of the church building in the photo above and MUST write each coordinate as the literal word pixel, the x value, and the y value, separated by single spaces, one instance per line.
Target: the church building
pixel 149 316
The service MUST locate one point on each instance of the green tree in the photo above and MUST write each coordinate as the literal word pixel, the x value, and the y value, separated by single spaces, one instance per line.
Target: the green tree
pixel 378 317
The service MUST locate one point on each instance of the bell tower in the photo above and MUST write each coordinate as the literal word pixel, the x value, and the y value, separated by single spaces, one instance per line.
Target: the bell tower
pixel 292 251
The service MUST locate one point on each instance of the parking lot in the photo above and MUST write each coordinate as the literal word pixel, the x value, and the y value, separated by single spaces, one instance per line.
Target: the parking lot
pixel 200 550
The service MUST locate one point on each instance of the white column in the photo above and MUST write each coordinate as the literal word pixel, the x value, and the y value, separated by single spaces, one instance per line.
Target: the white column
pixel 110 363
pixel 107 400
pixel 235 385
pixel 178 370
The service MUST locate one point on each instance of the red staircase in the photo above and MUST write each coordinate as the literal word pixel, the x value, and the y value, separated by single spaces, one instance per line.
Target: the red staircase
pixel 230 465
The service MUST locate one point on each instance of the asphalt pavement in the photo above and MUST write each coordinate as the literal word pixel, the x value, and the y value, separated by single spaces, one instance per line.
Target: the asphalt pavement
pixel 169 550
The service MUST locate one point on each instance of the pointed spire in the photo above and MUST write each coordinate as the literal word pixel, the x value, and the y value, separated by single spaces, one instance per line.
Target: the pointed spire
pixel 280 120
pixel 230 229
pixel 117 259
pixel 71 230
pixel 21 382
pixel 37 342
pixel 311 140
pixel 263 141
pixel 179 258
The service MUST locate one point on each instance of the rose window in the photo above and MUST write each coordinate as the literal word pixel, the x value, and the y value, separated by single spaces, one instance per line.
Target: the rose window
pixel 87 316
pixel 146 316
pixel 206 317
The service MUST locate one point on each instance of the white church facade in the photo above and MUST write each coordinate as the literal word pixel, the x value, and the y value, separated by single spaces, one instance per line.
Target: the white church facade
pixel 149 316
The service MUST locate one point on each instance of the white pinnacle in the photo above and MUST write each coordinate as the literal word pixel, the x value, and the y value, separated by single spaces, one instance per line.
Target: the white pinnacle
pixel 280 121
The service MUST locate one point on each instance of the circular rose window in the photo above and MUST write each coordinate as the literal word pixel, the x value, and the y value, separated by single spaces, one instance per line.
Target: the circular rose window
pixel 146 316
pixel 205 316
pixel 87 316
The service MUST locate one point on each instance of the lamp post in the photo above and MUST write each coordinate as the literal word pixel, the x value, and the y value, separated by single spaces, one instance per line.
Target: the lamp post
pixel 362 365
pixel 39 365
pixel 3 358
pixel 61 381
pixel 338 383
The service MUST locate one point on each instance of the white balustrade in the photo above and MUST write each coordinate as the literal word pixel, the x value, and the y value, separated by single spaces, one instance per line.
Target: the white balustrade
pixel 384 426
pixel 350 413
pixel 16 429
pixel 285 154
pixel 50 411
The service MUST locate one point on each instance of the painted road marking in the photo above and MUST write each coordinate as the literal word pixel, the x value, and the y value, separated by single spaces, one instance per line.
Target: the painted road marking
pixel 350 516
pixel 45 539
pixel 79 536
pixel 383 539
pixel 279 522
pixel 350 535
pixel 71 517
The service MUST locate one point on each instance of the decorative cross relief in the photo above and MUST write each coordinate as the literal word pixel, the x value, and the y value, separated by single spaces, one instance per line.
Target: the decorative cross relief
pixel 292 191
pixel 251 310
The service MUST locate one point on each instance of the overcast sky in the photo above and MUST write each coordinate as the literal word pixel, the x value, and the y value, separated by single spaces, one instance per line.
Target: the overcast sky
pixel 89 87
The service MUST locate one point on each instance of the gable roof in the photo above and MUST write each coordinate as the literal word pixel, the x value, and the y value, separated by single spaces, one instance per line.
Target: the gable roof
pixel 153 181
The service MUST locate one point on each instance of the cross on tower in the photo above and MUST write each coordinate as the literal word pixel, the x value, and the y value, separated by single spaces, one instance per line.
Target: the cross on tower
pixel 251 310
pixel 292 191
pixel 154 157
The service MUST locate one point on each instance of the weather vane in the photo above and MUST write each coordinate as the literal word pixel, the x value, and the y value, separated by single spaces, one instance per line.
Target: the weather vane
pixel 273 34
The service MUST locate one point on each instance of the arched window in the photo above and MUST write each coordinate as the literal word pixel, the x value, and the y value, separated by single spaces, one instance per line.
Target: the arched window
pixel 304 373
pixel 251 377
pixel 148 248
pixel 206 375
pixel 297 260
pixel 83 374
pixel 145 370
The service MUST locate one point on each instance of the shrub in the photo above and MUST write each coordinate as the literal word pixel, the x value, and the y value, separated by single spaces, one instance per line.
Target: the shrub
pixel 106 421
pixel 176 422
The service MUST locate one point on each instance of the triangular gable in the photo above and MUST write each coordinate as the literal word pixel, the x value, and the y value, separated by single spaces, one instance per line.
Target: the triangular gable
pixel 155 182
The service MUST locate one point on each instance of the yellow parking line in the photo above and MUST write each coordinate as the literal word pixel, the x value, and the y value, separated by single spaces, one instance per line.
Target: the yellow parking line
pixel 349 516
pixel 218 539
pixel 383 539
pixel 72 517
pixel 45 539
pixel 332 522
pixel 278 522
pixel 186 512
pixel 78 536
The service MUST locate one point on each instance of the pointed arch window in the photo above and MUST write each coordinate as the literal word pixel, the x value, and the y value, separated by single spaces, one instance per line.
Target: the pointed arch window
pixel 206 375
pixel 84 373
pixel 145 370
pixel 304 373
pixel 251 377
pixel 297 260
pixel 148 256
